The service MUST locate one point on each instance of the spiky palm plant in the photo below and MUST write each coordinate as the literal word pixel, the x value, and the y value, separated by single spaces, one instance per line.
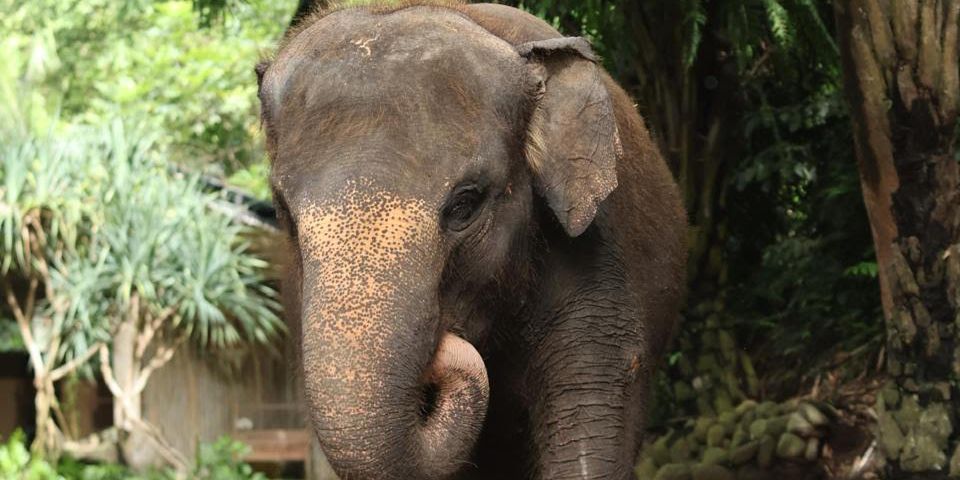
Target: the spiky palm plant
pixel 104 251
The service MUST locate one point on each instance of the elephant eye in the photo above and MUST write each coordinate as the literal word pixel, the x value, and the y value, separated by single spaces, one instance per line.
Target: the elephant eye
pixel 462 207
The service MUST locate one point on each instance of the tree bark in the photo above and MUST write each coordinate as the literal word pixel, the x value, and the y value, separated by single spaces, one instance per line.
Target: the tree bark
pixel 141 444
pixel 901 78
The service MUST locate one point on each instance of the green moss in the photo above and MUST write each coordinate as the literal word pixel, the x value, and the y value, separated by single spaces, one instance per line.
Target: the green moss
pixel 758 428
pixel 813 415
pixel 661 450
pixel 711 472
pixel 790 446
pixel 701 427
pixel 646 469
pixel 799 425
pixel 745 406
pixel 890 395
pixel 813 449
pixel 716 455
pixel 750 472
pixel 765 451
pixel 673 471
pixel 716 435
pixel 777 426
pixel 889 435
pixel 921 453
pixel 744 453
pixel 680 451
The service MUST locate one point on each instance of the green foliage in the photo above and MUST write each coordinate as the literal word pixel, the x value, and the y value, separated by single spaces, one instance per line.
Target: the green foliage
pixel 197 85
pixel 221 460
pixel 10 340
pixel 253 179
pixel 118 222
pixel 89 207
pixel 75 470
pixel 16 462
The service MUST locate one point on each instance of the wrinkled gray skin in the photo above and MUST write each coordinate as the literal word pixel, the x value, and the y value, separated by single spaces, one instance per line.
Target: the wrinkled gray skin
pixel 488 249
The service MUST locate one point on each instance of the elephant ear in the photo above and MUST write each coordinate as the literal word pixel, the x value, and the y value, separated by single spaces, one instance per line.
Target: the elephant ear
pixel 572 143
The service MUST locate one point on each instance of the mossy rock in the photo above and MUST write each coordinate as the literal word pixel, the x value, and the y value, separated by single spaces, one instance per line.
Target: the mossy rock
pixel 728 419
pixel 889 435
pixel 701 427
pixel 716 455
pixel 709 471
pixel 758 428
pixel 825 408
pixel 661 450
pixel 716 435
pixel 909 413
pixel 890 395
pixel 680 451
pixel 750 472
pixel 813 415
pixel 744 453
pixel 777 426
pixel 673 471
pixel 748 417
pixel 798 424
pixel 745 406
pixel 921 453
pixel 740 436
pixel 767 409
pixel 765 451
pixel 647 469
pixel 935 422
pixel 722 402
pixel 790 446
pixel 812 452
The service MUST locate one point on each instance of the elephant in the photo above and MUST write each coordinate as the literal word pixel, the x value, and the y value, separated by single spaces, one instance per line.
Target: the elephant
pixel 487 249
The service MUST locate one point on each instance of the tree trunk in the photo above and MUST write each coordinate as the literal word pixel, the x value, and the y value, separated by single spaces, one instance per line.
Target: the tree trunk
pixel 901 78
pixel 138 449
pixel 45 441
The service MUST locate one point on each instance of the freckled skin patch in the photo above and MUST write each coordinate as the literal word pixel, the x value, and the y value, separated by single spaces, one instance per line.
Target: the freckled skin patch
pixel 377 231
pixel 366 253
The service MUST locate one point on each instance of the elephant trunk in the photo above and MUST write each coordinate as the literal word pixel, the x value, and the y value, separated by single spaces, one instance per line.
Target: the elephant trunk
pixel 390 394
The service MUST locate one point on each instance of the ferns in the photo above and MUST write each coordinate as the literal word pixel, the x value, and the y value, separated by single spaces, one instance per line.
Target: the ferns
pixel 779 23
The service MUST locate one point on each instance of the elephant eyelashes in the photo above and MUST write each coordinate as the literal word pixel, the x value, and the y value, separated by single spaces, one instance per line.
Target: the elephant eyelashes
pixel 462 207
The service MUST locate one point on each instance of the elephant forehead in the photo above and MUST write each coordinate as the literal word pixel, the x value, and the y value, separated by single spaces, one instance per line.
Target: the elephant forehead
pixel 353 54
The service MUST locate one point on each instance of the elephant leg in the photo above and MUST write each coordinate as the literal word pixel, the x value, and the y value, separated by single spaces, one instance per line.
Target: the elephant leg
pixel 590 370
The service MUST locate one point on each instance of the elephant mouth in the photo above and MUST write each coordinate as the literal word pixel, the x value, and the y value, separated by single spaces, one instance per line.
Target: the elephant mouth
pixel 454 401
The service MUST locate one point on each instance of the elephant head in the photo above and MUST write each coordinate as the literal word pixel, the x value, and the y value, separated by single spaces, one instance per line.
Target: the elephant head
pixel 411 153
